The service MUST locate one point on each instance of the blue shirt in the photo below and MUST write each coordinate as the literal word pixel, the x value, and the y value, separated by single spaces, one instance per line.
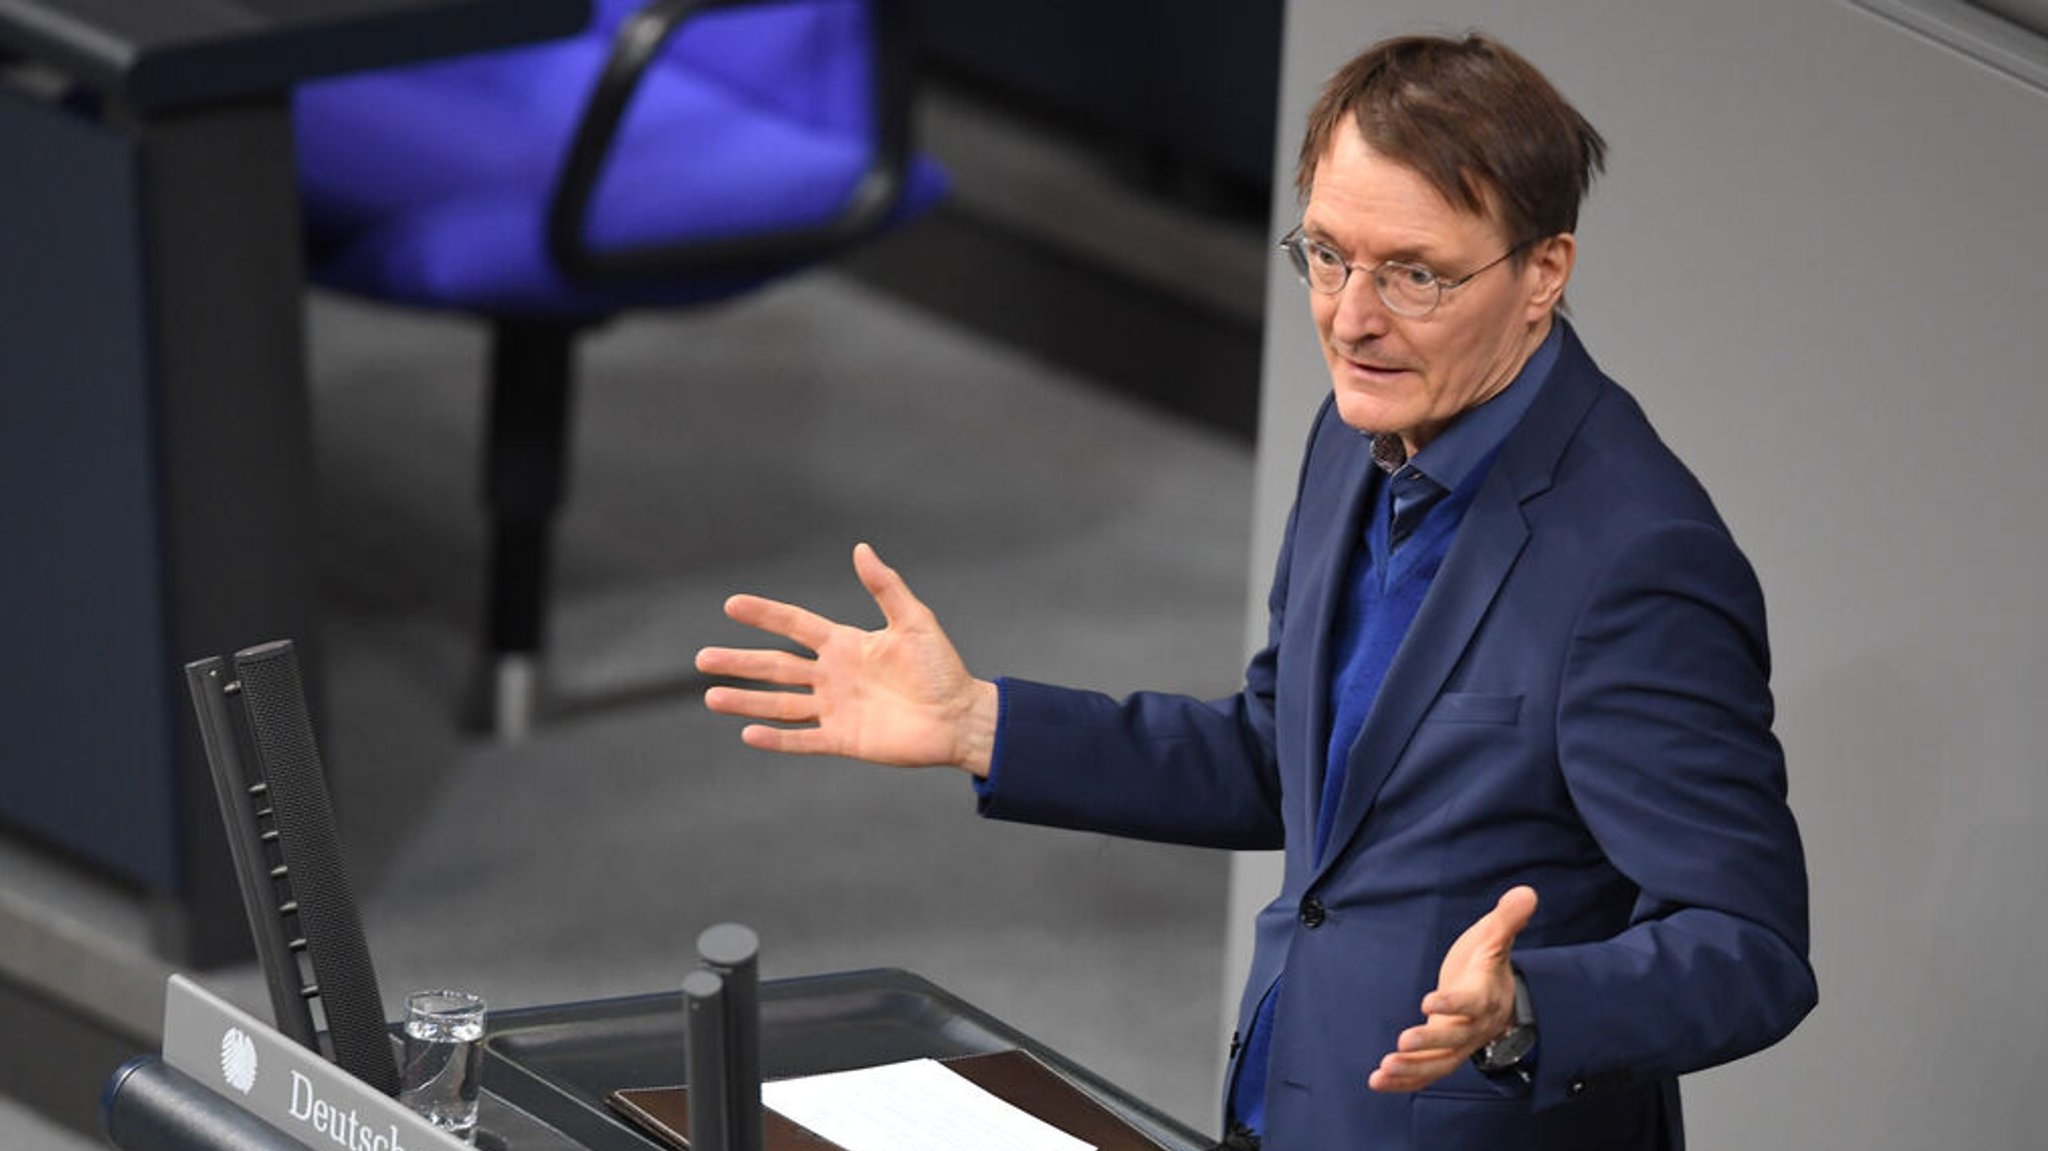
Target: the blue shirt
pixel 1451 456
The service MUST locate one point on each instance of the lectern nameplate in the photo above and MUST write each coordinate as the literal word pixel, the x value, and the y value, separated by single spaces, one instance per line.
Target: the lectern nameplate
pixel 258 1068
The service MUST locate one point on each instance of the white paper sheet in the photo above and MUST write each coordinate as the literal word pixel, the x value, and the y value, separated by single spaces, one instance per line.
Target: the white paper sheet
pixel 917 1106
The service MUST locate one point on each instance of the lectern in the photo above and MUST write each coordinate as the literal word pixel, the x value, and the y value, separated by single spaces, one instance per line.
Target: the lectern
pixel 549 1071
pixel 551 1076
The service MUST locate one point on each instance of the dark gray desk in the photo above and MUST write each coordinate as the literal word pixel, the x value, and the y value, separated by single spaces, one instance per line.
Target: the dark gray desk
pixel 156 486
pixel 547 1070
pixel 557 1064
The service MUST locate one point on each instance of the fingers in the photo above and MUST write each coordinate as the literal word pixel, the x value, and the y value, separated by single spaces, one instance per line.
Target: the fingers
pixel 775 706
pixel 787 740
pixel 784 669
pixel 1440 1033
pixel 1426 1054
pixel 784 619
pixel 1413 1071
pixel 809 628
pixel 778 667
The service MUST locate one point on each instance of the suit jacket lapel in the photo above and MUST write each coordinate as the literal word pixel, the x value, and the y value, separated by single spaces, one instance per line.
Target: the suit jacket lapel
pixel 1488 542
pixel 1351 485
pixel 1492 536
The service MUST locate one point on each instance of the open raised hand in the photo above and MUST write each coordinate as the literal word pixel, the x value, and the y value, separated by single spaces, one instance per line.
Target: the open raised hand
pixel 900 695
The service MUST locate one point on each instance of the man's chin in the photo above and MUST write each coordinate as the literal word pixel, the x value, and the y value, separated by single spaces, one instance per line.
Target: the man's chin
pixel 1363 414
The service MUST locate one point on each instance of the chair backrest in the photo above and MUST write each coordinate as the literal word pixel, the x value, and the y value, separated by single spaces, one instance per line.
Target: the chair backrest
pixel 273 796
pixel 792 55
pixel 681 153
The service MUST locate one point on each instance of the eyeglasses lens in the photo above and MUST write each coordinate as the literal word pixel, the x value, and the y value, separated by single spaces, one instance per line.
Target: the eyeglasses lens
pixel 1406 289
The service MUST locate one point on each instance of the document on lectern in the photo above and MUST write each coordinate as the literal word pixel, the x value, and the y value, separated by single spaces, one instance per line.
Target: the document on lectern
pixel 1018 1103
pixel 919 1105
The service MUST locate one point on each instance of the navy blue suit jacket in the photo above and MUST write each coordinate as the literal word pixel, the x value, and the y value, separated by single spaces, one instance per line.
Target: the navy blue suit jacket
pixel 1582 705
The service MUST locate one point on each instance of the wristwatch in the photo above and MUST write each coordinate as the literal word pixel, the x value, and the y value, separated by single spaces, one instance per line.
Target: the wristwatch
pixel 1511 1051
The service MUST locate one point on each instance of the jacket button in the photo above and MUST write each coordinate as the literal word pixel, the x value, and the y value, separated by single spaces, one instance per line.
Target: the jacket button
pixel 1312 914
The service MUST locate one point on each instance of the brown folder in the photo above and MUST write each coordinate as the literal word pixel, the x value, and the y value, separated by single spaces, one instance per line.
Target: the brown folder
pixel 1015 1077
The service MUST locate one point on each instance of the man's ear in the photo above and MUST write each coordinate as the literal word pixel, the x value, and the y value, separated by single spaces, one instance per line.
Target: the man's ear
pixel 1548 270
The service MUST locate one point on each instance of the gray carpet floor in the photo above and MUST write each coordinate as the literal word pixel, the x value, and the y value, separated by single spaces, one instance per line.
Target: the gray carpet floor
pixel 1059 531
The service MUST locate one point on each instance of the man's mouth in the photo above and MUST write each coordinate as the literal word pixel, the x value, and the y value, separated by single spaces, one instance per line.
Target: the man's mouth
pixel 1373 369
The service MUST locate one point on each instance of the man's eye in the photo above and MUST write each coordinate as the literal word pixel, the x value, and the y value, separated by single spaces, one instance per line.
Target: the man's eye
pixel 1325 256
pixel 1413 275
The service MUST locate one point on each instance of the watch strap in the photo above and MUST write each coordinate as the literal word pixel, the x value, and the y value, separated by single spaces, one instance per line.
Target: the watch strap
pixel 1510 1051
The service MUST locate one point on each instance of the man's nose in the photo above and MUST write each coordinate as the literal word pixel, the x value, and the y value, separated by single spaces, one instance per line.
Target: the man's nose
pixel 1361 314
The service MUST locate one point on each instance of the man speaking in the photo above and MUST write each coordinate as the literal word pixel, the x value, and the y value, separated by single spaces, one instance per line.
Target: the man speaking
pixel 1512 724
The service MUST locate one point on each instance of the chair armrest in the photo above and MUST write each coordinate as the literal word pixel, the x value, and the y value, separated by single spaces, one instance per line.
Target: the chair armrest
pixel 639 41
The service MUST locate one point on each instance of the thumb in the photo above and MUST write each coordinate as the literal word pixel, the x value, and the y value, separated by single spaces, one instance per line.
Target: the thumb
pixel 1481 952
pixel 1509 916
pixel 891 594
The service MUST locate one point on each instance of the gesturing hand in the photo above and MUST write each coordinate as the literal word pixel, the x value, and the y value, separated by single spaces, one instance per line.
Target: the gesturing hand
pixel 899 696
pixel 1473 1004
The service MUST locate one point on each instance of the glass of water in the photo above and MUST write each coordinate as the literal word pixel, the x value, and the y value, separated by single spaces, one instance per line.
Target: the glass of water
pixel 444 1033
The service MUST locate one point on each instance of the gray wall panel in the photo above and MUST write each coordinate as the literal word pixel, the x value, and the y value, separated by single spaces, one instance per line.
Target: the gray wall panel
pixel 1816 259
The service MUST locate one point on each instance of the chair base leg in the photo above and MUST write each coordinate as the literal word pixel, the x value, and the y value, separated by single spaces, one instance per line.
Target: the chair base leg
pixel 514 697
pixel 525 470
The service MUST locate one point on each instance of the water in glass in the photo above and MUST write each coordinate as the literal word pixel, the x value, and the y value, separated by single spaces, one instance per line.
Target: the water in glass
pixel 443 1052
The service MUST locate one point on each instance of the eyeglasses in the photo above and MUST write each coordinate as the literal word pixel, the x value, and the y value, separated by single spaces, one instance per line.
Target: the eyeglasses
pixel 1406 289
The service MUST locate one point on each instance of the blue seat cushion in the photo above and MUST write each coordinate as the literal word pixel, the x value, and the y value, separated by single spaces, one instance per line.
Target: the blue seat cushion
pixel 431 185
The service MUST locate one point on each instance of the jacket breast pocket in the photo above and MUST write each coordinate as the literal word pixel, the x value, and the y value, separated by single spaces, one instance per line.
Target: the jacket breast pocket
pixel 1476 707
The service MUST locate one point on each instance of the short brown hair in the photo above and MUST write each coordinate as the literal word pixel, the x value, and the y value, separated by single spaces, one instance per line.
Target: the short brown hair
pixel 1472 117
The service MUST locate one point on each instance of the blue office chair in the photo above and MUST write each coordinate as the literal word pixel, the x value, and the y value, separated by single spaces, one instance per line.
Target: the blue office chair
pixel 670 155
